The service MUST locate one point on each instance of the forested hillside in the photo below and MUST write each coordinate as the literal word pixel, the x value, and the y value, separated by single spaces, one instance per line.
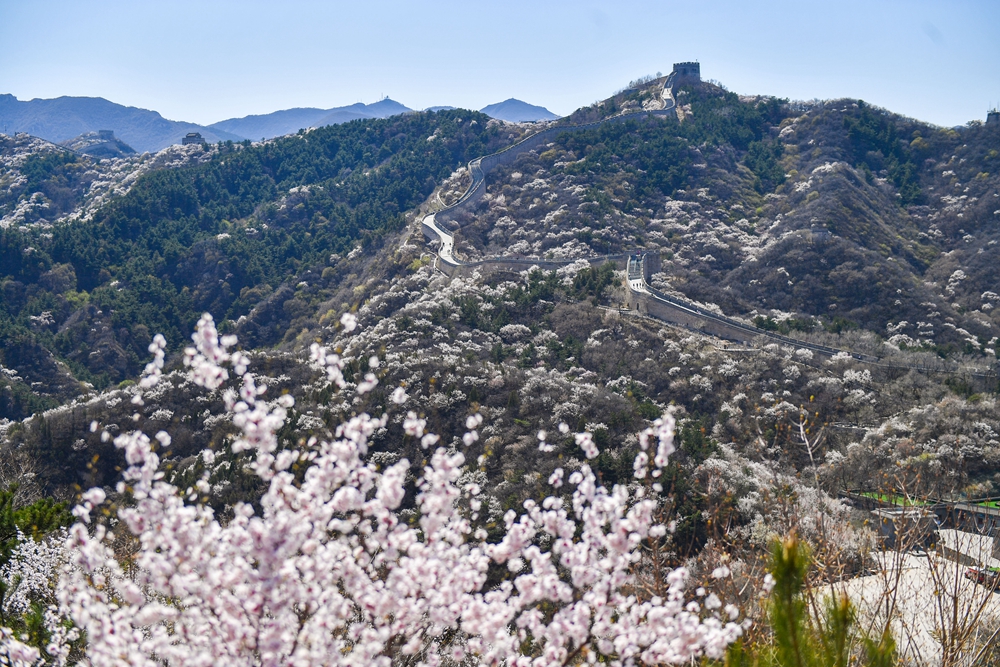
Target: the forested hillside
pixel 834 222
pixel 220 236
pixel 816 218
pixel 278 238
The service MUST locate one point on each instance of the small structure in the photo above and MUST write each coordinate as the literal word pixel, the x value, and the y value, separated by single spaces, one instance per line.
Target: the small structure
pixel 652 263
pixel 905 528
pixel 687 73
pixel 981 515
pixel 192 138
pixel 969 548
pixel 993 117
pixel 106 135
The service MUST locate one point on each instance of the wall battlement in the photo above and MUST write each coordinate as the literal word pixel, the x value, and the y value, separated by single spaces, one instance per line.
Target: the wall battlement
pixel 686 73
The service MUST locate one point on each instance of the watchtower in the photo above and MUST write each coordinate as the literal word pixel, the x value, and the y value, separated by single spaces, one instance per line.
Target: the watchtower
pixel 192 138
pixel 993 116
pixel 687 73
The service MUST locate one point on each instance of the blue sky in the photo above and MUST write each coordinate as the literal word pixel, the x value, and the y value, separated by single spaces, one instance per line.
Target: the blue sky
pixel 209 60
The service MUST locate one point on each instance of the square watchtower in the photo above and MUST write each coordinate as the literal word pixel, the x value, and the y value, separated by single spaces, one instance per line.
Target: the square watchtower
pixel 687 73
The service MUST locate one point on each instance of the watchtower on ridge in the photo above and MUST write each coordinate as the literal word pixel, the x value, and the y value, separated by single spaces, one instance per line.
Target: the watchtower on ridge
pixel 687 73
pixel 993 116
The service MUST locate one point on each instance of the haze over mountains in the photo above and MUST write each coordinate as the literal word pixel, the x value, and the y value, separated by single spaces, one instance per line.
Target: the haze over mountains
pixel 288 121
pixel 64 118
pixel 516 111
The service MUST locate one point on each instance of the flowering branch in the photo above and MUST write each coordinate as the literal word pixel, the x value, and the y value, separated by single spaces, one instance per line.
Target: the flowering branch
pixel 327 572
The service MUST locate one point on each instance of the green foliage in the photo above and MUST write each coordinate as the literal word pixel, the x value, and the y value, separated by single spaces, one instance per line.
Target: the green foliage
pixel 16 398
pixel 799 638
pixel 41 168
pixel 34 521
pixel 630 149
pixel 215 236
pixel 961 386
pixel 593 281
pixel 839 324
pixel 691 531
pixel 719 119
pixel 566 349
pixel 694 439
pixel 877 146
pixel 762 159
pixel 787 613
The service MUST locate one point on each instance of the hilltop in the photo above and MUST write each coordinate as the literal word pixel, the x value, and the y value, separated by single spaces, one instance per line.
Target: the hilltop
pixel 516 111
pixel 819 218
pixel 103 144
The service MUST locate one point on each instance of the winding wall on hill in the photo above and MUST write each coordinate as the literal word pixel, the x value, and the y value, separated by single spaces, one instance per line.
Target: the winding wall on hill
pixel 645 299
pixel 440 225
pixel 642 297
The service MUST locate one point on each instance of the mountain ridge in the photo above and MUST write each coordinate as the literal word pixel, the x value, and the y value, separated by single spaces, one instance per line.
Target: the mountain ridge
pixel 289 121
pixel 517 111
pixel 63 118
pixel 731 196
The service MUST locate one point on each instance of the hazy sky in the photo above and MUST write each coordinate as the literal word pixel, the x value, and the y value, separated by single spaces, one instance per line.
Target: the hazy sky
pixel 208 60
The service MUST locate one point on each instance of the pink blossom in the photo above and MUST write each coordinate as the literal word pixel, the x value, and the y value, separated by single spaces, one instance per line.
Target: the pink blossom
pixel 329 571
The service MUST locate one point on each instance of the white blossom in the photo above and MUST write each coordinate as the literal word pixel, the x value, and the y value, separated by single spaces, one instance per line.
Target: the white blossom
pixel 327 572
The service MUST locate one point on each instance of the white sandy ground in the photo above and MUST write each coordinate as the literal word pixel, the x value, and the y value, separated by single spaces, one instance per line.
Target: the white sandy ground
pixel 932 599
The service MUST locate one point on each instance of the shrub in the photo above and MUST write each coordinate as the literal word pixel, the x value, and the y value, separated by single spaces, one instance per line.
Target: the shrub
pixel 339 566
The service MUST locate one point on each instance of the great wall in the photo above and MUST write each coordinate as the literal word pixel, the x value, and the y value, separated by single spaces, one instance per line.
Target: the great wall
pixel 439 226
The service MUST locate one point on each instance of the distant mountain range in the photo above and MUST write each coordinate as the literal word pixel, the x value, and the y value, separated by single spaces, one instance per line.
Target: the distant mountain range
pixel 288 121
pixel 65 118
pixel 516 111
pixel 292 120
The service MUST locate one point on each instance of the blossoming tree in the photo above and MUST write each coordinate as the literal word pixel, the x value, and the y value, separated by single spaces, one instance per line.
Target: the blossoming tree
pixel 329 570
